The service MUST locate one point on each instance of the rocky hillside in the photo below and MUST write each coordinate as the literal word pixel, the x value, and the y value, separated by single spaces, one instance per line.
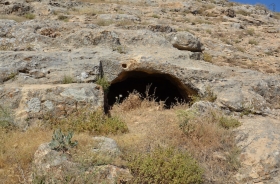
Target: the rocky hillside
pixel 57 56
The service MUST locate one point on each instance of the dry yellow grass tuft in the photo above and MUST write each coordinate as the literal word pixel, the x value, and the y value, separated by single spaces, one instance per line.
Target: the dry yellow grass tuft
pixel 136 101
pixel 16 153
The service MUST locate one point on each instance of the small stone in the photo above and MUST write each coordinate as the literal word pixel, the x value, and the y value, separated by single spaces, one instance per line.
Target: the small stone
pixel 34 105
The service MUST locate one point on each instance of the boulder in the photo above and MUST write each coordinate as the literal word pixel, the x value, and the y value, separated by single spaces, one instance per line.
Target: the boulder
pixel 161 28
pixel 203 106
pixel 5 26
pixel 259 142
pixel 50 165
pixel 45 159
pixel 106 146
pixel 185 41
pixel 34 102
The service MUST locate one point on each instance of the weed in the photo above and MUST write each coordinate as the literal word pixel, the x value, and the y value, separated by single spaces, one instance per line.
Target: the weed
pixel 241 49
pixel 6 47
pixel 12 75
pixel 61 142
pixel 226 41
pixel 253 42
pixel 6 119
pixel 155 16
pixel 186 126
pixel 102 81
pixel 232 158
pixel 207 57
pixel 120 49
pixel 63 18
pixel 17 151
pixel 13 17
pixel 250 32
pixel 135 100
pixel 84 120
pixel 29 16
pixel 201 21
pixel 165 165
pixel 205 135
pixel 228 122
pixel 104 22
pixel 208 31
pixel 67 79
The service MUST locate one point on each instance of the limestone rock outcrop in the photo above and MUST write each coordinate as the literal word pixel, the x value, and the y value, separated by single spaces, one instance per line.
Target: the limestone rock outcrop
pixel 52 52
pixel 50 165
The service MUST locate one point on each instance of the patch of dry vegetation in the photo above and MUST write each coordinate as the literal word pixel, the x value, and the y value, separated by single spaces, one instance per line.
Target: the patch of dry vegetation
pixel 16 153
pixel 90 121
pixel 154 141
pixel 207 138
pixel 14 17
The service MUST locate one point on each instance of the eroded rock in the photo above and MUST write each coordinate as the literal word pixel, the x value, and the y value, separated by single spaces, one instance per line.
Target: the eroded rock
pixel 185 41
pixel 34 102
pixel 259 141
pixel 50 165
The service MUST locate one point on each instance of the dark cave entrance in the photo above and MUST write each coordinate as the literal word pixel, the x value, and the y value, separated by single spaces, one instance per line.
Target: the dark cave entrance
pixel 163 87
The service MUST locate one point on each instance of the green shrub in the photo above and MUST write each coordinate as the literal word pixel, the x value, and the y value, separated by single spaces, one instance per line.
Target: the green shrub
pixel 250 32
pixel 241 49
pixel 228 122
pixel 63 18
pixel 165 165
pixel 207 57
pixel 12 75
pixel 84 120
pixel 67 79
pixel 104 22
pixel 29 16
pixel 102 81
pixel 232 159
pixel 61 142
pixel 120 49
pixel 156 16
pixel 6 119
pixel 253 42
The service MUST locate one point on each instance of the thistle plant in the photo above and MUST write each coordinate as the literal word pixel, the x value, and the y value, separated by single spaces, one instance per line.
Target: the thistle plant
pixel 62 142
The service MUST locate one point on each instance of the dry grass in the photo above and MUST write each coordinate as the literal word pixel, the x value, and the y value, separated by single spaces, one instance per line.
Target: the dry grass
pixel 102 22
pixel 151 126
pixel 16 153
pixel 87 120
pixel 207 57
pixel 17 150
pixel 253 42
pixel 136 101
pixel 13 17
pixel 202 136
